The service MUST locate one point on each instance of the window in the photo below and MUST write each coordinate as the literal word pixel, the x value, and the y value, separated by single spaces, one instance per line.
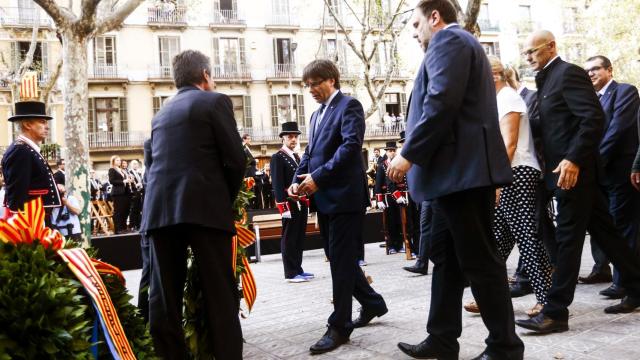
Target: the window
pixel 104 56
pixel 229 56
pixel 108 115
pixel 524 12
pixel 26 11
pixel 242 111
pixel 570 16
pixel 281 111
pixel 280 12
pixel 169 46
pixel 491 48
pixel 19 50
pixel 336 6
pixel 158 102
pixel 283 52
pixel 484 12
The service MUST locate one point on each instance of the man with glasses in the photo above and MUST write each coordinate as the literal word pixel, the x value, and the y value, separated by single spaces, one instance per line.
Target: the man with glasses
pixel 618 147
pixel 571 124
pixel 331 169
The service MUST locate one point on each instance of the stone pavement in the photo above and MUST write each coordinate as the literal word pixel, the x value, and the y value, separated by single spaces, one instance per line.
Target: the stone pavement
pixel 288 318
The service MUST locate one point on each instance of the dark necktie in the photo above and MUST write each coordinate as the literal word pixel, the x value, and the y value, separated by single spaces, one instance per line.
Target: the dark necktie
pixel 319 118
pixel 297 157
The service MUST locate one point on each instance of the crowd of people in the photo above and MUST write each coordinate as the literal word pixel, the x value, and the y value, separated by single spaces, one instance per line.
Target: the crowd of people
pixel 485 164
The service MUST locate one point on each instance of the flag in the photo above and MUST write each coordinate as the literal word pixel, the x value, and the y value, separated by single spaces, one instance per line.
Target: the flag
pixel 29 86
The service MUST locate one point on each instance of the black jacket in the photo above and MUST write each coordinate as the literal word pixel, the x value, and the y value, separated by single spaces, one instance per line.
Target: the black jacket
pixel 571 120
pixel 117 183
pixel 58 176
pixel 283 169
pixel 27 175
pixel 198 162
pixel 251 163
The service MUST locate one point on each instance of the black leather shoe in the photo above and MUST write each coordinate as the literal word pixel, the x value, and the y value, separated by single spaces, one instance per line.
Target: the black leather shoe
pixel 627 305
pixel 366 317
pixel 614 292
pixel 520 289
pixel 424 350
pixel 418 268
pixel 484 356
pixel 543 324
pixel 596 278
pixel 329 341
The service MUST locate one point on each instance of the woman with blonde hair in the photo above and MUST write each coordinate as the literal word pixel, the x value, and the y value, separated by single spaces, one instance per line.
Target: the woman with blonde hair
pixel 119 194
pixel 515 217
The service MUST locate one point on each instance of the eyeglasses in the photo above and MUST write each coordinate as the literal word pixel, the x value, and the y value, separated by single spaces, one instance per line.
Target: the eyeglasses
pixel 594 69
pixel 313 84
pixel 534 50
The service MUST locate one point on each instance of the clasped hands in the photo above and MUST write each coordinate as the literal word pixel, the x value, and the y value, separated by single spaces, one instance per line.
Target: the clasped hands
pixel 306 187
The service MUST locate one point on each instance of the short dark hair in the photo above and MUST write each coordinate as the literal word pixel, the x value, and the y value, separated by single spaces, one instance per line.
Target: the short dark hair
pixel 322 69
pixel 188 66
pixel 245 136
pixel 606 63
pixel 444 7
pixel 60 162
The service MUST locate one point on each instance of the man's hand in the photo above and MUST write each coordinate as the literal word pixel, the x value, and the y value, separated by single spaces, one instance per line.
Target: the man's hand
pixel 307 186
pixel 293 191
pixel 635 180
pixel 568 174
pixel 398 168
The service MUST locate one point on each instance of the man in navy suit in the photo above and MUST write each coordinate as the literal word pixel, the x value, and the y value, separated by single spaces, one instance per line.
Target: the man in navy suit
pixel 332 170
pixel 455 156
pixel 620 103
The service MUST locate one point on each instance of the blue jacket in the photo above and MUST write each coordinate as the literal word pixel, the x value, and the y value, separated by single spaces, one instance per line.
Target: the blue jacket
pixel 333 158
pixel 453 136
pixel 620 142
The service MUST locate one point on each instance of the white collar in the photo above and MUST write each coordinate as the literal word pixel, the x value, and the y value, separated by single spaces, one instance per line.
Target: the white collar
pixel 288 152
pixel 521 89
pixel 551 61
pixel 604 88
pixel 328 102
pixel 29 142
pixel 450 25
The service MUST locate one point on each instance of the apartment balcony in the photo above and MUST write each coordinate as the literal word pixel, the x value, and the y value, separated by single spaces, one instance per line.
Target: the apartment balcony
pixel 16 17
pixel 330 23
pixel 227 19
pixel 109 141
pixel 486 25
pixel 284 72
pixel 231 73
pixel 347 72
pixel 106 73
pixel 286 21
pixel 270 135
pixel 167 16
pixel 161 73
pixel 379 73
pixel 384 131
pixel 524 27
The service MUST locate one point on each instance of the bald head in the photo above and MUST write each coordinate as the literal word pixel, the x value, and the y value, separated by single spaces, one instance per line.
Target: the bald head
pixel 539 49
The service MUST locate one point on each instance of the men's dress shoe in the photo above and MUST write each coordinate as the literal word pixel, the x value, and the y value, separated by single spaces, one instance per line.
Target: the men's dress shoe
pixel 614 292
pixel 627 305
pixel 383 245
pixel 520 289
pixel 543 324
pixel 424 350
pixel 329 341
pixel 366 317
pixel 418 268
pixel 484 356
pixel 595 278
pixel 472 307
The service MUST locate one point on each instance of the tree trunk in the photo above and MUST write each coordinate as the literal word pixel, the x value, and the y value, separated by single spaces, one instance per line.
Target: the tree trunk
pixel 75 90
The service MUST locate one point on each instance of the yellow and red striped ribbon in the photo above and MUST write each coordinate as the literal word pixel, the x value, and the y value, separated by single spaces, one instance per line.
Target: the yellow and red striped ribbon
pixel 28 225
pixel 245 237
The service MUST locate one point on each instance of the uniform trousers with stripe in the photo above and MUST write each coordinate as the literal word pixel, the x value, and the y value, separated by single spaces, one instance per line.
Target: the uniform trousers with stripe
pixel 515 222
pixel 292 242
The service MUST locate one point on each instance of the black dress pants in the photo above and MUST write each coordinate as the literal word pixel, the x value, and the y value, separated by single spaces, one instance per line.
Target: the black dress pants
pixel 580 209
pixel 342 234
pixel 462 248
pixel 292 242
pixel 145 277
pixel 394 223
pixel 426 216
pixel 212 252
pixel 120 212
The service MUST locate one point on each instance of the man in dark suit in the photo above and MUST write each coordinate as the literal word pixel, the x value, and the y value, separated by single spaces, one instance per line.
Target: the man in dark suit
pixel 389 197
pixel 58 176
pixel 620 103
pixel 294 211
pixel 196 174
pixel 251 161
pixel 572 123
pixel 145 276
pixel 455 156
pixel 332 170
pixel 27 174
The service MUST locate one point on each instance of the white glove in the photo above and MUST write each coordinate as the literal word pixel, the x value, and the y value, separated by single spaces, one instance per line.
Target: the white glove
pixel 283 207
pixel 401 200
pixel 286 215
pixel 381 205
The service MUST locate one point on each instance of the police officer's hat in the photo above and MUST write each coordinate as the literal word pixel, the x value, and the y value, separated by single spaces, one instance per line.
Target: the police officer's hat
pixel 391 145
pixel 290 127
pixel 30 110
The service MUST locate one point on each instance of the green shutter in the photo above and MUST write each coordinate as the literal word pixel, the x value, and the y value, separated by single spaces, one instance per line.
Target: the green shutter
pixel 274 110
pixel 124 124
pixel 156 104
pixel 248 120
pixel 91 119
pixel 300 109
pixel 243 52
pixel 403 104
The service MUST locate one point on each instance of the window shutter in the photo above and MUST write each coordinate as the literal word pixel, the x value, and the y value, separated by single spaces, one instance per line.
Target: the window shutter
pixel 403 104
pixel 91 120
pixel 234 6
pixel 274 110
pixel 216 5
pixel 292 55
pixel 300 109
pixel 275 51
pixel 124 124
pixel 243 53
pixel 15 55
pixel 44 48
pixel 246 102
pixel 156 104
pixel 497 48
pixel 216 57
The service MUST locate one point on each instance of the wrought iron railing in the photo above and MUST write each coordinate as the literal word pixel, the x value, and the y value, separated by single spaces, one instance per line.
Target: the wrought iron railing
pixel 286 19
pixel 167 14
pixel 284 71
pixel 488 25
pixel 231 71
pixel 227 17
pixel 106 140
pixel 161 72
pixel 27 17
pixel 104 71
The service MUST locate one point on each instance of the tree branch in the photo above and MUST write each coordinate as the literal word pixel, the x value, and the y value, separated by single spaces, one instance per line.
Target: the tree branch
pixel 88 10
pixel 44 95
pixel 63 17
pixel 115 20
pixel 28 59
pixel 344 30
pixel 471 16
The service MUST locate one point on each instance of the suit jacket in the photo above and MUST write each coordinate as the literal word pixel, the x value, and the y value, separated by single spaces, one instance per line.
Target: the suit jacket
pixel 333 159
pixel 453 137
pixel 530 98
pixel 58 176
pixel 571 120
pixel 198 162
pixel 620 141
pixel 146 146
pixel 283 169
pixel 27 176
pixel 116 180
pixel 251 163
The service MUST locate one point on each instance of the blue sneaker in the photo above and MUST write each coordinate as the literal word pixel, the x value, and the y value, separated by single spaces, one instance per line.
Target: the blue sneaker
pixel 307 275
pixel 297 279
pixel 392 251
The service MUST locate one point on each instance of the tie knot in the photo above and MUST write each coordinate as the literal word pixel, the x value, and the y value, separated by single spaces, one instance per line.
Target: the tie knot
pixel 322 107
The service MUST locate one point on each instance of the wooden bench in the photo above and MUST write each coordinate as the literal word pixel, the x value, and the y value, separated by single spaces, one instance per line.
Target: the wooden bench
pixel 269 227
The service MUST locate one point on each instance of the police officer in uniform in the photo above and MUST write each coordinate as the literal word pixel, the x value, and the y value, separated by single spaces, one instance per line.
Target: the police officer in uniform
pixel 294 212
pixel 27 174
pixel 389 197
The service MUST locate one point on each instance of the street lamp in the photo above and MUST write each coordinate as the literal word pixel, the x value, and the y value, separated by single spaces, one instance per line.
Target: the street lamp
pixel 293 48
